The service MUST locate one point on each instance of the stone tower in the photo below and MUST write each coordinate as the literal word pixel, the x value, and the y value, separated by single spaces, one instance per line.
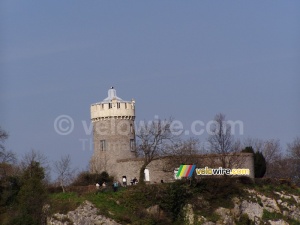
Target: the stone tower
pixel 113 130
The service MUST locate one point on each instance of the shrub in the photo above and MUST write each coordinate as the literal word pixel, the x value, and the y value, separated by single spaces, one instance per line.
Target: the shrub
pixel 245 180
pixel 177 195
pixel 85 178
pixel 53 189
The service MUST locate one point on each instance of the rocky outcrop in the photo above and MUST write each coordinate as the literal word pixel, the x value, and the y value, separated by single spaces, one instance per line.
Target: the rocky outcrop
pixel 255 207
pixel 85 214
pixel 290 205
pixel 269 204
pixel 278 222
pixel 156 211
pixel 226 215
pixel 189 214
pixel 252 208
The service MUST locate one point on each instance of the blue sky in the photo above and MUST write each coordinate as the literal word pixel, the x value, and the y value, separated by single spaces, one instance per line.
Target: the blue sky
pixel 186 59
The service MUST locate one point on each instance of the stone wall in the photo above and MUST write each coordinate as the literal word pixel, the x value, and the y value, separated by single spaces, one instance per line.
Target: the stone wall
pixel 163 168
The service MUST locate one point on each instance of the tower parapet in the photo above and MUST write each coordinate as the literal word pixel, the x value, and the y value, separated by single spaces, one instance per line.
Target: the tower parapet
pixel 113 107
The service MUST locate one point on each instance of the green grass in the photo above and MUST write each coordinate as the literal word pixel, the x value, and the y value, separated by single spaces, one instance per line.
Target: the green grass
pixel 268 189
pixel 64 202
pixel 109 205
pixel 271 215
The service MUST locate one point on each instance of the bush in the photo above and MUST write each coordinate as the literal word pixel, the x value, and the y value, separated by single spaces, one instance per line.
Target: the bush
pixel 177 195
pixel 32 196
pixel 260 165
pixel 218 192
pixel 245 180
pixel 85 178
pixel 216 188
pixel 53 189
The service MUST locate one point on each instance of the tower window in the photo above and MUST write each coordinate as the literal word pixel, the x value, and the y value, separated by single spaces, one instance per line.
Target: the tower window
pixel 118 105
pixel 131 128
pixel 102 106
pixel 109 105
pixel 125 105
pixel 132 145
pixel 102 145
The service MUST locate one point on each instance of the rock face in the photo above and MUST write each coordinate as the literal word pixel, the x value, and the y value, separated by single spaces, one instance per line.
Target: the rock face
pixel 269 204
pixel 155 210
pixel 85 214
pixel 278 222
pixel 253 208
pixel 189 214
pixel 256 208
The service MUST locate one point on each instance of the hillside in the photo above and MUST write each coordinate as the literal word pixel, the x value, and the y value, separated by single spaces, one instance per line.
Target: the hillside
pixel 208 202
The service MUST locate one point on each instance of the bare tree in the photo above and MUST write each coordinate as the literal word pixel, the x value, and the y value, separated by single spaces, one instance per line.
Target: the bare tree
pixel 256 144
pixel 183 147
pixel 182 152
pixel 294 148
pixel 3 137
pixel 152 140
pixel 271 148
pixel 5 155
pixel 294 159
pixel 64 171
pixel 7 163
pixel 7 158
pixel 221 142
pixel 36 156
pixel 273 154
pixel 272 151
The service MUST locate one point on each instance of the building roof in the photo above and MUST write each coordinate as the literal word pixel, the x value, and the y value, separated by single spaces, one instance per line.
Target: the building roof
pixel 112 94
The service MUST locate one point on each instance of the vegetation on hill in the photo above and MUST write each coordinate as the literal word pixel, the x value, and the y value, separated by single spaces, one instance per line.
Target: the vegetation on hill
pixel 132 205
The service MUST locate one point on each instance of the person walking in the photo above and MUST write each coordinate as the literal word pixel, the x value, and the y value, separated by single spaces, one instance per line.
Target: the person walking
pixel 135 181
pixel 124 181
pixel 115 186
pixel 103 186
pixel 97 188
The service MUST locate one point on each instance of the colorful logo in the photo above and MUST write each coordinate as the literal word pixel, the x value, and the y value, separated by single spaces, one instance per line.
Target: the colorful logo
pixel 185 171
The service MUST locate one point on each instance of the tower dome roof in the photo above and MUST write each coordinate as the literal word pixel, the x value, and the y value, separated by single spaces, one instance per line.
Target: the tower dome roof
pixel 112 95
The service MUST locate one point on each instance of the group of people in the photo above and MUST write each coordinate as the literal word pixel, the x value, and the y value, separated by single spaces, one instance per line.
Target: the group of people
pixel 103 186
pixel 132 181
pixel 115 185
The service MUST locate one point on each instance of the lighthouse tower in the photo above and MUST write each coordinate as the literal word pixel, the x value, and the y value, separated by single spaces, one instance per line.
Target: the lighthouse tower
pixel 113 130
